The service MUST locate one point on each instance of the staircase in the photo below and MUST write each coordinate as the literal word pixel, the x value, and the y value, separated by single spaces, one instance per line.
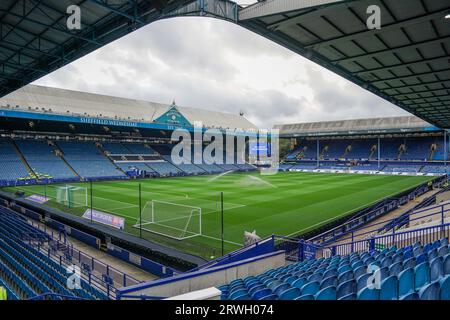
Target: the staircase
pixel 301 154
pixel 432 151
pixel 323 152
pixel 106 154
pixel 24 161
pixel 347 151
pixel 372 151
pixel 61 155
pixel 401 150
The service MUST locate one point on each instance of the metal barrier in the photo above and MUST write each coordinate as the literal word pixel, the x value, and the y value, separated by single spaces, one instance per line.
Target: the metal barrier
pixel 120 278
pixel 408 234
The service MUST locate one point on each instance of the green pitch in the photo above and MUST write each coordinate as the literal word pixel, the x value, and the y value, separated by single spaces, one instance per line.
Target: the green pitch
pixel 288 203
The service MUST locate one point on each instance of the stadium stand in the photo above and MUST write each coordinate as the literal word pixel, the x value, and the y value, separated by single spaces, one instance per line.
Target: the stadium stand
pixel 410 273
pixel 27 272
pixel 87 160
pixel 42 159
pixel 11 166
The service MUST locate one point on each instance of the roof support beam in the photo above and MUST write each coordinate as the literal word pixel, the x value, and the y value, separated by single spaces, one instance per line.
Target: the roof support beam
pixel 385 28
pixel 411 76
pixel 374 54
pixel 118 11
pixel 403 65
pixel 70 34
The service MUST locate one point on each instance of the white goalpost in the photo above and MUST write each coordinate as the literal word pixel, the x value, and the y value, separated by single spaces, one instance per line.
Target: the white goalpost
pixel 71 196
pixel 173 220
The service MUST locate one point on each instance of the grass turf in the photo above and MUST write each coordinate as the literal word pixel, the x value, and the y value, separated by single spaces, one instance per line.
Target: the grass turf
pixel 288 203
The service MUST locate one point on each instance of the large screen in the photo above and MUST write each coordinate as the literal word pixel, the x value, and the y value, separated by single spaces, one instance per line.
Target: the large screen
pixel 259 149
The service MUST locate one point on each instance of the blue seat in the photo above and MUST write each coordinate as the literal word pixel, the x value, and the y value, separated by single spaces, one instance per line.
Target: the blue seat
pixel 410 296
pixel 299 283
pixel 384 273
pixel 269 297
pixel 358 272
pixel 252 290
pixel 398 257
pixel 291 280
pixel 330 272
pixel 396 268
pixel 417 244
pixel 274 284
pixel 314 277
pixel 368 294
pixel 261 293
pixel 305 297
pixel 422 275
pixel 290 294
pixel 409 263
pixel 430 291
pixel 346 288
pixel 417 251
pixel 330 281
pixel 444 242
pixel 345 276
pixel 362 282
pixel 328 293
pixel 432 254
pixel 281 288
pixel 445 288
pixel 436 268
pixel 386 262
pixel 443 251
pixel 408 254
pixel 447 264
pixel 344 268
pixel 356 264
pixel 242 297
pixel 389 288
pixel 421 258
pixel 237 293
pixel 436 244
pixel 406 282
pixel 311 288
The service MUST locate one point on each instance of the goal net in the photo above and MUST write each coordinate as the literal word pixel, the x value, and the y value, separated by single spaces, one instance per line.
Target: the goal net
pixel 173 220
pixel 71 196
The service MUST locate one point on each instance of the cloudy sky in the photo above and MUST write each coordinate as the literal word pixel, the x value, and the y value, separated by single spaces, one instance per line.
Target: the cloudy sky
pixel 216 65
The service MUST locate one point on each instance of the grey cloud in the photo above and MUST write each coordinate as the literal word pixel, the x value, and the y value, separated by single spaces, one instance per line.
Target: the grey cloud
pixel 187 59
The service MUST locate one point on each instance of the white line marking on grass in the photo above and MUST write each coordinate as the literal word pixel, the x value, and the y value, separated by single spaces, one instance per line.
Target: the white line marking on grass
pixel 352 210
pixel 227 241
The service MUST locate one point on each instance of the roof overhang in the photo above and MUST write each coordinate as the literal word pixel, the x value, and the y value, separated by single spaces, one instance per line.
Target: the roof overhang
pixel 406 62
pixel 35 39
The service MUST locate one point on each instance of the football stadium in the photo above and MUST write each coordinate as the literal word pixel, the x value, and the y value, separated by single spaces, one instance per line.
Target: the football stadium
pixel 111 198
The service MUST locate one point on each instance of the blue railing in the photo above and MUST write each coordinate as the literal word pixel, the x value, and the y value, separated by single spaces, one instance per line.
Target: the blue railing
pixel 368 238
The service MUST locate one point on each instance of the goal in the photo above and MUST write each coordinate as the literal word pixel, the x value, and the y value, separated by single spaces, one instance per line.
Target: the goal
pixel 173 220
pixel 71 196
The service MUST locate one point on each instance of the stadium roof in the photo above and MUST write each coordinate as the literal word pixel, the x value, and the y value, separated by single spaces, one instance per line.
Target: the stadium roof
pixel 405 124
pixel 406 62
pixel 68 102
pixel 35 39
